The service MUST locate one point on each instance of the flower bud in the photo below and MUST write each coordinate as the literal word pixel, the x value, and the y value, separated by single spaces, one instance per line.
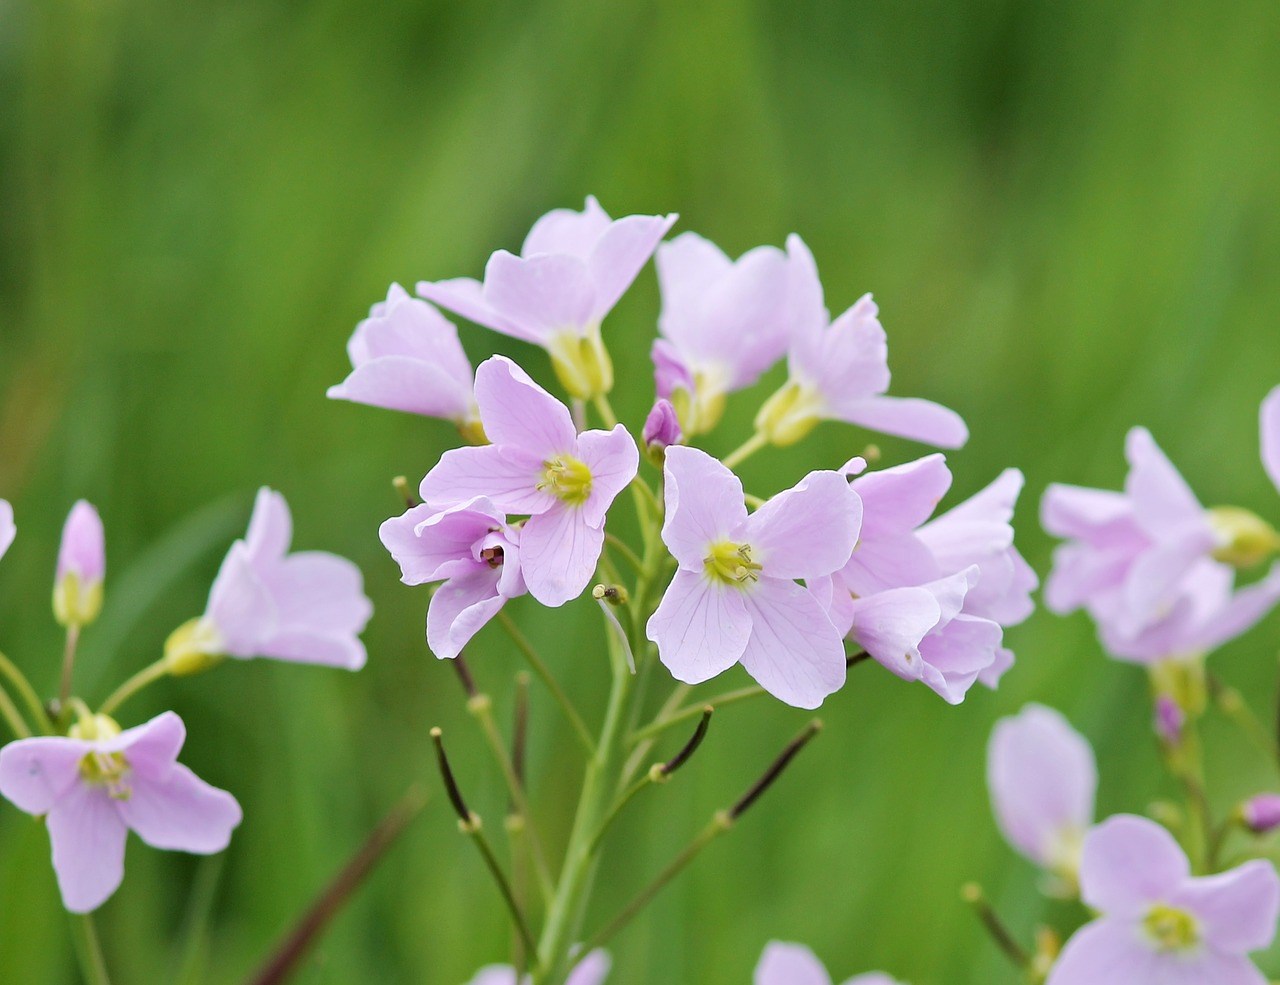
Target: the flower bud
pixel 1169 720
pixel 193 648
pixel 1245 538
pixel 1261 814
pixel 82 563
pixel 661 429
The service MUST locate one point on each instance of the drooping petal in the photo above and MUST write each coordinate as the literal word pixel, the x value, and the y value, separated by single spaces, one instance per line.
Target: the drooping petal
pixel 544 294
pixel 1269 430
pixel 459 609
pixel 35 772
pixel 808 530
pixel 889 625
pixel 704 504
pixel 302 645
pixel 516 411
pixel 618 255
pixel 403 383
pixel 178 811
pixel 1237 910
pixel 957 653
pixel 1042 778
pixel 507 477
pixel 700 628
pixel 1130 862
pixel 1081 513
pixel 1246 608
pixel 424 539
pixel 794 652
pixel 910 417
pixel 319 591
pixel 991 675
pixel 465 296
pixel 789 964
pixel 613 459
pixel 558 554
pixel 88 837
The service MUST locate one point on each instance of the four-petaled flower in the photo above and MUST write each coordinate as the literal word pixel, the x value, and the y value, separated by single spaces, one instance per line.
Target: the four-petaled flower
pixel 734 597
pixel 795 964
pixel 1158 924
pixel 97 783
pixel 539 466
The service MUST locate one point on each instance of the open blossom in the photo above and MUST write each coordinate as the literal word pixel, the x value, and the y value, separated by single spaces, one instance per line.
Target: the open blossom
pixel 734 597
pixel 572 269
pixel 406 356
pixel 839 370
pixel 591 970
pixel 82 565
pixel 795 964
pixel 1159 925
pixel 473 550
pixel 7 529
pixel 1042 778
pixel 540 466
pixel 97 783
pixel 723 323
pixel 307 607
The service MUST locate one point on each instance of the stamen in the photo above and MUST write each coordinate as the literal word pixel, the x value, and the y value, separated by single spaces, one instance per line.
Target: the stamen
pixel 731 563
pixel 1171 929
pixel 566 478
pixel 493 556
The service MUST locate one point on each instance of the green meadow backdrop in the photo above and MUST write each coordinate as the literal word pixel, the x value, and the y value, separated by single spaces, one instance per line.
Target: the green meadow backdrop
pixel 1069 214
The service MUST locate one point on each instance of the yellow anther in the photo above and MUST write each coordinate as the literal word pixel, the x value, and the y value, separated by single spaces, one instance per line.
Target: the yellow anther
pixel 731 563
pixel 566 478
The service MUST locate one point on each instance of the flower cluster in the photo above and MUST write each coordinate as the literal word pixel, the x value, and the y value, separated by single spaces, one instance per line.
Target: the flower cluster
pixel 93 782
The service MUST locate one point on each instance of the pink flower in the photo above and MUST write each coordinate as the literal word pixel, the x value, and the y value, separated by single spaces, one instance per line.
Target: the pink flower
pixel 307 607
pixel 795 964
pixel 661 429
pixel 473 550
pixel 1158 925
pixel 7 529
pixel 734 597
pixel 591 970
pixel 1261 814
pixel 540 466
pixel 96 784
pixel 839 370
pixel 573 268
pixel 406 356
pixel 82 564
pixel 723 323
pixel 1042 778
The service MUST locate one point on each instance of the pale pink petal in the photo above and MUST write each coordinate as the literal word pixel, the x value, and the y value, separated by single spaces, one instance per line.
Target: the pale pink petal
pixel 495 974
pixel 808 310
pixel 1246 608
pixel 178 811
pixel 807 530
pixel 687 266
pixel 1161 497
pixel 1111 952
pixel 1269 429
pixel 618 255
pixel 506 477
pixel 1042 777
pixel 794 651
pixel 704 504
pixel 895 560
pixel 902 497
pixel 910 417
pixel 789 964
pixel 240 605
pixel 835 598
pixel 558 554
pixel 1237 910
pixel 516 411
pixel 850 360
pixel 301 645
pixel 1129 863
pixel 319 591
pixel 1081 513
pixel 270 526
pixel 35 772
pixel 407 384
pixel 465 296
pixel 567 231
pixel 591 970
pixel 613 459
pixel 459 609
pixel 423 540
pixel 1154 577
pixel 957 653
pixel 889 625
pixel 545 294
pixel 7 529
pixel 990 676
pixel 701 628
pixel 88 838
pixel 82 551
pixel 153 745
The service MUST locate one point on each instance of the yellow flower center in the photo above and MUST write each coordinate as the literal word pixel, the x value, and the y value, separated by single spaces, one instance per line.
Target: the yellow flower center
pixel 103 769
pixel 731 564
pixel 1170 928
pixel 566 478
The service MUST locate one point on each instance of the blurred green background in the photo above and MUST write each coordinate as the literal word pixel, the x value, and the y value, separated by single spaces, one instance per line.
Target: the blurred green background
pixel 1069 214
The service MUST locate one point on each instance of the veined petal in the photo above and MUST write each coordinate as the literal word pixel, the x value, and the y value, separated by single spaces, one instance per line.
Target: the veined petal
pixel 700 628
pixel 1130 862
pixel 704 504
pixel 180 812
pixel 88 837
pixel 423 539
pixel 1237 910
pixel 542 294
pixel 909 417
pixel 613 459
pixel 459 609
pixel 35 772
pixel 789 964
pixel 794 652
pixel 889 625
pixel 1269 430
pixel 517 412
pixel 506 477
pixel 618 255
pixel 808 530
pixel 558 554
pixel 903 497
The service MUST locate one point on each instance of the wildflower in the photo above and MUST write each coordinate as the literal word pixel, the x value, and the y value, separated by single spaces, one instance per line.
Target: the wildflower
pixel 1157 923
pixel 97 783
pixel 473 550
pixel 1170 719
pixel 723 323
pixel 591 970
pixel 661 429
pixel 7 529
pixel 1261 814
pixel 1042 778
pixel 307 607
pixel 77 585
pixel 540 466
pixel 573 268
pixel 795 964
pixel 734 597
pixel 406 356
pixel 838 370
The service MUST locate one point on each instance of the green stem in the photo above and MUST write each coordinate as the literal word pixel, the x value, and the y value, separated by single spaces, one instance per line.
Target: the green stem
pixel 27 693
pixel 664 722
pixel 605 410
pixel 9 711
pixel 548 679
pixel 147 675
pixel 89 951
pixel 621 546
pixel 68 663
pixel 745 450
pixel 474 830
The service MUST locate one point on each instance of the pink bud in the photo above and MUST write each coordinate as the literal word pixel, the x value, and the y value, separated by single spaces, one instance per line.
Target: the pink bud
pixel 661 427
pixel 1262 813
pixel 1169 720
pixel 83 551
